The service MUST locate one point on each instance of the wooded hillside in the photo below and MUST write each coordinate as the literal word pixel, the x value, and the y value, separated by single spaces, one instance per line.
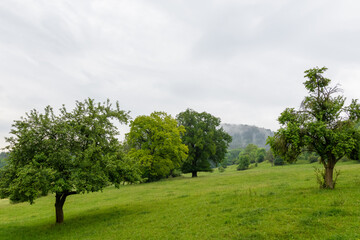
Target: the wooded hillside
pixel 242 135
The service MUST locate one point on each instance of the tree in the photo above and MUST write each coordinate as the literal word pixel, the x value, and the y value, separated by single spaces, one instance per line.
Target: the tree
pixel 251 150
pixel 69 153
pixel 323 124
pixel 206 140
pixel 269 156
pixel 244 161
pixel 260 155
pixel 155 142
pixel 232 156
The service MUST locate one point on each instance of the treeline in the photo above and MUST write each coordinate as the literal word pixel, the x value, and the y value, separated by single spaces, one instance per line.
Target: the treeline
pixel 164 146
pixel 250 155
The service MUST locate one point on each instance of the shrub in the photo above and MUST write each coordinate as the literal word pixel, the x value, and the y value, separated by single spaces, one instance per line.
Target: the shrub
pixel 244 162
pixel 278 161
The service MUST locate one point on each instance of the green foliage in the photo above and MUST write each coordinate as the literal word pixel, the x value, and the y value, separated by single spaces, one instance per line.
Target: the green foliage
pixel 260 155
pixel 322 125
pixel 320 177
pixel 155 143
pixel 278 161
pixel 221 169
pixel 244 162
pixel 310 157
pixel 269 157
pixel 251 150
pixel 251 154
pixel 3 157
pixel 232 156
pixel 206 140
pixel 73 152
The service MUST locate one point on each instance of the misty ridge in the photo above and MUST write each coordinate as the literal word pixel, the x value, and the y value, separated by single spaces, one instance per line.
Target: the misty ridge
pixel 243 135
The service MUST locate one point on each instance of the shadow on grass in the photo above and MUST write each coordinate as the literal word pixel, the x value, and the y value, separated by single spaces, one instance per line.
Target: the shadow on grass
pixel 74 227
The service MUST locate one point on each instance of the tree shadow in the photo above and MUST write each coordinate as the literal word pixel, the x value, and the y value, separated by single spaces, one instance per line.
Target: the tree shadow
pixel 84 222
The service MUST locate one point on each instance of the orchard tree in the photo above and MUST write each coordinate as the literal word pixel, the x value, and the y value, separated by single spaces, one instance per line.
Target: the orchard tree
pixel 206 140
pixel 323 125
pixel 155 142
pixel 69 153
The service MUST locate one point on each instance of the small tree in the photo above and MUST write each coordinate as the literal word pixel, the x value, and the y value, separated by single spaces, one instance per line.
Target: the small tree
pixel 244 162
pixel 260 155
pixel 70 153
pixel 322 125
pixel 206 140
pixel 251 150
pixel 269 156
pixel 155 142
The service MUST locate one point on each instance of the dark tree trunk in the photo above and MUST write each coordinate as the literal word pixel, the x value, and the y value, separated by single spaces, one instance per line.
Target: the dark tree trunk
pixel 59 203
pixel 329 170
pixel 329 182
pixel 194 174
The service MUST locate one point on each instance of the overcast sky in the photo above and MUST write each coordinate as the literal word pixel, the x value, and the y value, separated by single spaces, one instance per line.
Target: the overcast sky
pixel 242 61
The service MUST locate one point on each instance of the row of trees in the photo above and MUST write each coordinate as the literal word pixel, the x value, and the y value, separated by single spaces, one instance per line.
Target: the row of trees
pixel 191 143
pixel 78 151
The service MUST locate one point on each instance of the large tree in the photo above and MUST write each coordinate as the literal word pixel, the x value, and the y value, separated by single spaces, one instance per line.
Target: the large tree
pixel 323 124
pixel 155 142
pixel 69 153
pixel 206 140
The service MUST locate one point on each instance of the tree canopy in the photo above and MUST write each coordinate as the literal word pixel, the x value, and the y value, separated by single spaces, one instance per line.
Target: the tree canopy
pixel 323 124
pixel 155 143
pixel 69 153
pixel 206 140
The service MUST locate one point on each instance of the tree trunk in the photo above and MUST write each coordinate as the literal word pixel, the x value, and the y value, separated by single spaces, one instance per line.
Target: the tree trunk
pixel 59 203
pixel 194 174
pixel 329 182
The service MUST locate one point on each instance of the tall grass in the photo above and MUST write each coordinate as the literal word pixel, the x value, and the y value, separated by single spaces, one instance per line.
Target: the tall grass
pixel 261 203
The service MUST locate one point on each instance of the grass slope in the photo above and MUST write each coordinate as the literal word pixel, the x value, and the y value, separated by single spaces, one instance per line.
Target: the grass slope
pixel 261 203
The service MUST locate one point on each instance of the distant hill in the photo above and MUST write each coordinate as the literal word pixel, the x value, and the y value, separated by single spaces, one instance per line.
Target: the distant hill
pixel 244 134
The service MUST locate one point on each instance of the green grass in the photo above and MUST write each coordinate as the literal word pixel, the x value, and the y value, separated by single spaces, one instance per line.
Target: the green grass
pixel 261 203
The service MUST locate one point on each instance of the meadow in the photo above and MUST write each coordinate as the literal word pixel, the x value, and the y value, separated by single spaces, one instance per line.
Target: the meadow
pixel 265 202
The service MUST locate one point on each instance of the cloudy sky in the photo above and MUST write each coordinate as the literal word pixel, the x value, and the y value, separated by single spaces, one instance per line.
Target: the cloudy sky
pixel 240 60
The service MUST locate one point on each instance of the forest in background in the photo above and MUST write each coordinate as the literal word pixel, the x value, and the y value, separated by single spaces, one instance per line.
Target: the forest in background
pixel 243 135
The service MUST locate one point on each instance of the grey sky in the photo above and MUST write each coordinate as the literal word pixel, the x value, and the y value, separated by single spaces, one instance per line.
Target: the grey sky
pixel 242 61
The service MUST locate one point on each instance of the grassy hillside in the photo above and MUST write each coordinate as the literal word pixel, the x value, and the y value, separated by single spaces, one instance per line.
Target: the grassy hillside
pixel 261 203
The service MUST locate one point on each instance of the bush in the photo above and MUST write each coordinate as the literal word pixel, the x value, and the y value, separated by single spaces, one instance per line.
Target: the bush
pixel 278 161
pixel 244 162
pixel 221 169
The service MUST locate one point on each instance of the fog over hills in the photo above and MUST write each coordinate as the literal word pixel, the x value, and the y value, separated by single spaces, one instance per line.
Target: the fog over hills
pixel 244 134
